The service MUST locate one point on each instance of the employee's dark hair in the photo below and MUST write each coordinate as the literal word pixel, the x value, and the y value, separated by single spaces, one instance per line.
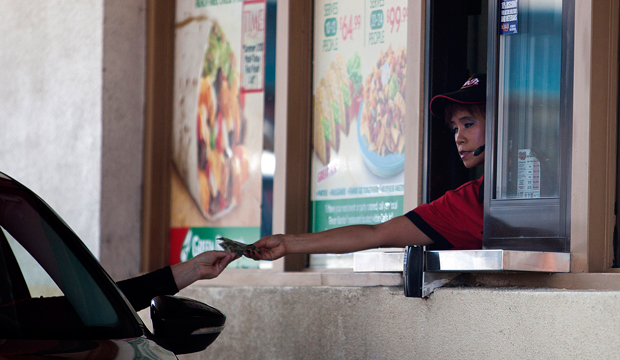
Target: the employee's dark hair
pixel 477 110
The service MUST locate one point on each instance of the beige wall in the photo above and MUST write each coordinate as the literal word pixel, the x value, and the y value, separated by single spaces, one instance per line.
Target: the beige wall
pixel 123 103
pixel 72 105
pixel 50 101
pixel 380 323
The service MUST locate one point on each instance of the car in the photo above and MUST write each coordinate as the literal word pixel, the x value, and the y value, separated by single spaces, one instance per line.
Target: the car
pixel 56 300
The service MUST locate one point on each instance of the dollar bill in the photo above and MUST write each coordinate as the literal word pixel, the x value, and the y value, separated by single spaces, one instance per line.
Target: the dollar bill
pixel 231 246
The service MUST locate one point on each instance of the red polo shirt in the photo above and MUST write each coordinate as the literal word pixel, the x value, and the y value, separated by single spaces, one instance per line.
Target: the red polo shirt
pixel 454 221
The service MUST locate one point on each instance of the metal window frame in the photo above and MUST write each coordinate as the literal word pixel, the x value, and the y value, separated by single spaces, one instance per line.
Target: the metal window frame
pixel 424 271
pixel 547 220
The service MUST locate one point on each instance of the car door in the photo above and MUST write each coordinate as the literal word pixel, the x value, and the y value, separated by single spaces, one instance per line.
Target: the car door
pixel 55 299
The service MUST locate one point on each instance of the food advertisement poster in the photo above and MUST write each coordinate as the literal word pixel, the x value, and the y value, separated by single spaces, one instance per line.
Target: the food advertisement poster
pixel 358 112
pixel 217 126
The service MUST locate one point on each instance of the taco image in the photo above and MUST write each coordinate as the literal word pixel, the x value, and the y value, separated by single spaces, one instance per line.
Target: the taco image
pixel 319 141
pixel 336 104
pixel 339 113
pixel 327 107
pixel 346 89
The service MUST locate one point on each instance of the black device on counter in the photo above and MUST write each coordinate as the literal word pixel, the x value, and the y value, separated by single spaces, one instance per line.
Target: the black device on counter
pixel 413 270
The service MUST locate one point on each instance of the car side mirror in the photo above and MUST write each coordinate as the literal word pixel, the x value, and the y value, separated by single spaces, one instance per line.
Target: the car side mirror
pixel 185 325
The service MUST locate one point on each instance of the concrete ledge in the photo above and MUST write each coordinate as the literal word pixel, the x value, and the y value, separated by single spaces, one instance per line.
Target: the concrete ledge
pixel 327 322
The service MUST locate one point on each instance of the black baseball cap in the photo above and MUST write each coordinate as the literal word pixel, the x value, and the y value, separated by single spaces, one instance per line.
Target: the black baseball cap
pixel 474 91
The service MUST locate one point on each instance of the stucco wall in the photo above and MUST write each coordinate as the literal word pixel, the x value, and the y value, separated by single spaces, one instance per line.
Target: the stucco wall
pixel 50 105
pixel 72 116
pixel 124 74
pixel 380 323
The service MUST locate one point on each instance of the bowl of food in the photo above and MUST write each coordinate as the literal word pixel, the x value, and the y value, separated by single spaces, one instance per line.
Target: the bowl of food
pixel 386 165
pixel 381 118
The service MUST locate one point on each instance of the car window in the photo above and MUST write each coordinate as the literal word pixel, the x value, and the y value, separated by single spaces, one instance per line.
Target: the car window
pixel 45 290
pixel 38 282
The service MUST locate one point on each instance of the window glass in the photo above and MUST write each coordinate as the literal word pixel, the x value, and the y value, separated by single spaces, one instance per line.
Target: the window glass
pixel 46 291
pixel 39 283
pixel 529 102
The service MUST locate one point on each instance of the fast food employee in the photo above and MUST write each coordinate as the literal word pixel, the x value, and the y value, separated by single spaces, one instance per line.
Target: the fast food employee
pixel 454 221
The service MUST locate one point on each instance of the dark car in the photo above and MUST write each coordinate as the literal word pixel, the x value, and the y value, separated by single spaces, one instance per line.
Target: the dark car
pixel 57 301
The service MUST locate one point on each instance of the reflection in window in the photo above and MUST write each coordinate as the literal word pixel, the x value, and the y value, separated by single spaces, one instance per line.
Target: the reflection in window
pixel 529 103
pixel 44 288
pixel 39 283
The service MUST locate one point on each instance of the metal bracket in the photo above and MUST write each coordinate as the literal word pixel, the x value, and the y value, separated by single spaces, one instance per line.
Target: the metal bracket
pixel 425 271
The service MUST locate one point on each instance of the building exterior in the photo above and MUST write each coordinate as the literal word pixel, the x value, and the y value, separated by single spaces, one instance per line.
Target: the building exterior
pixel 88 108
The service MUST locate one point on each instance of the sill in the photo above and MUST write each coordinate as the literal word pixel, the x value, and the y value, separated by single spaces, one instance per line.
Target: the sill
pixel 569 281
pixel 497 260
pixel 388 272
pixel 346 278
pixel 309 277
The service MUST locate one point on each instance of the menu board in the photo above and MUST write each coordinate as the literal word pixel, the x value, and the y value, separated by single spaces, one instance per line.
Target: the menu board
pixel 359 88
pixel 528 175
pixel 217 130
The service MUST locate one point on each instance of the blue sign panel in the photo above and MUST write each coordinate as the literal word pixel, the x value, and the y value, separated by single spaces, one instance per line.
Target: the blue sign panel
pixel 509 19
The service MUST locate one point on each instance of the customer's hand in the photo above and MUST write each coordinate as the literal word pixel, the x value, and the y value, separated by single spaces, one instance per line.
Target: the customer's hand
pixel 211 263
pixel 206 265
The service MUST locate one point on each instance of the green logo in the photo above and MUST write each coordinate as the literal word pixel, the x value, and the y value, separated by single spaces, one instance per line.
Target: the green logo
pixel 200 239
pixel 331 27
pixel 376 19
pixel 194 245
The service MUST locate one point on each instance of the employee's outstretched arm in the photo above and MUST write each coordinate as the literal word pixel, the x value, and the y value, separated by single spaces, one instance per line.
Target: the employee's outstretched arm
pixel 397 232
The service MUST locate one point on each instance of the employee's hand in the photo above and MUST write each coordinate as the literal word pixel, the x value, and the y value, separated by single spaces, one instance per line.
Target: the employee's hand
pixel 270 247
pixel 206 265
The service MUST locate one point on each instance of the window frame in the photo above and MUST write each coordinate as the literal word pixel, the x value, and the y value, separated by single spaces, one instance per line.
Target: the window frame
pixel 524 212
pixel 594 135
pixel 591 229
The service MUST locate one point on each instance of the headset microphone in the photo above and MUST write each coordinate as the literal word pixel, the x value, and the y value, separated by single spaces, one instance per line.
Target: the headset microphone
pixel 479 150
